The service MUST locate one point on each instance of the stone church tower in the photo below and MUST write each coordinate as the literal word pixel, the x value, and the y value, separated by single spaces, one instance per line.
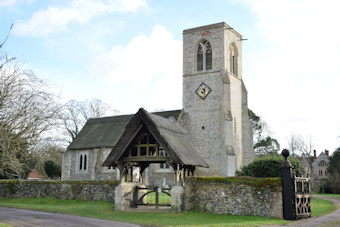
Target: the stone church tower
pixel 215 99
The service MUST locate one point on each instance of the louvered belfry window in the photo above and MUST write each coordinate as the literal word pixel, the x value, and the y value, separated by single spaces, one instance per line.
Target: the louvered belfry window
pixel 200 58
pixel 204 56
pixel 208 56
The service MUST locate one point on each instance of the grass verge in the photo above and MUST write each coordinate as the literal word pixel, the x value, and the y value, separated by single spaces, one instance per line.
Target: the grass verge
pixel 104 210
pixel 321 207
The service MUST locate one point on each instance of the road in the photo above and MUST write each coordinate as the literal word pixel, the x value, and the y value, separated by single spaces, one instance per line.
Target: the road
pixel 29 218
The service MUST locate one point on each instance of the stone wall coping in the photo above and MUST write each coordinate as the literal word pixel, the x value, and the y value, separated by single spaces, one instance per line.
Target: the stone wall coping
pixel 211 26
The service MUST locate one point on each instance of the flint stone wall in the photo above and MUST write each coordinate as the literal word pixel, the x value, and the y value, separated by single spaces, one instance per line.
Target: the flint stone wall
pixel 69 190
pixel 235 195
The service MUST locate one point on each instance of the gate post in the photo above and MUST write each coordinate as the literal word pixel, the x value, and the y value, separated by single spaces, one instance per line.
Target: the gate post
pixel 157 197
pixel 287 187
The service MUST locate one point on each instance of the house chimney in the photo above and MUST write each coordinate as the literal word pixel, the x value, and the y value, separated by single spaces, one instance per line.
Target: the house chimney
pixel 327 152
pixel 314 154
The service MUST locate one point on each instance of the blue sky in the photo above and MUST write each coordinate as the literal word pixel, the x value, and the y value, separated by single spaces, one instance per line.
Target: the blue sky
pixel 128 52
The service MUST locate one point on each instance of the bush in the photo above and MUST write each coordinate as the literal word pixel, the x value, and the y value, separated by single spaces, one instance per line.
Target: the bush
pixel 270 166
pixel 52 170
pixel 327 188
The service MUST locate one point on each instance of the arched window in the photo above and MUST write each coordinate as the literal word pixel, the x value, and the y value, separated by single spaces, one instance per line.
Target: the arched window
pixel 322 163
pixel 85 161
pixel 81 162
pixel 204 56
pixel 200 58
pixel 233 59
pixel 208 55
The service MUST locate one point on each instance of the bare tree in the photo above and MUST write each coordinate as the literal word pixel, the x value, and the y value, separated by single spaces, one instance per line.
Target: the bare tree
pixel 76 113
pixel 300 146
pixel 294 144
pixel 27 111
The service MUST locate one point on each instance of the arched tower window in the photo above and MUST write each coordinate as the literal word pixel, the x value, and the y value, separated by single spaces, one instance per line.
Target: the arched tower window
pixel 200 58
pixel 204 56
pixel 233 59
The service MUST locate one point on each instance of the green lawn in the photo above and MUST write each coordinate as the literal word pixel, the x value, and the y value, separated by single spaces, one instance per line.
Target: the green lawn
pixel 4 225
pixel 163 199
pixel 330 195
pixel 104 210
pixel 321 207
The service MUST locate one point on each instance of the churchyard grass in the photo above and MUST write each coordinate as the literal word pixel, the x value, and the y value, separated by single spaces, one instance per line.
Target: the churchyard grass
pixel 104 210
pixel 163 199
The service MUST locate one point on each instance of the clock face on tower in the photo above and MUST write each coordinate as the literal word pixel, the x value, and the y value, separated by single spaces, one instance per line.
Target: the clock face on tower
pixel 203 91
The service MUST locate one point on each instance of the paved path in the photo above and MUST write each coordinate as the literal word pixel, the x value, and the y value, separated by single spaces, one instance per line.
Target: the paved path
pixel 29 218
pixel 329 220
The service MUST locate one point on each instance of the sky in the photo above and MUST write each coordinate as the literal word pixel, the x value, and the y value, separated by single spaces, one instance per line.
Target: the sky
pixel 128 52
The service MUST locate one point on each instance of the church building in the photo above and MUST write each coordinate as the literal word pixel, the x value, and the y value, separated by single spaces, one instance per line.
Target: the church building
pixel 210 136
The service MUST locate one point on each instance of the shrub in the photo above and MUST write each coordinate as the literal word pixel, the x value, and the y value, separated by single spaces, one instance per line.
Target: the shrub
pixel 327 188
pixel 270 166
pixel 52 169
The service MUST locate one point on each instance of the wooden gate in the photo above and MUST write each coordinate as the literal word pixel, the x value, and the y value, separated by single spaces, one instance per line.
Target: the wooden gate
pixel 301 197
pixel 295 192
pixel 152 196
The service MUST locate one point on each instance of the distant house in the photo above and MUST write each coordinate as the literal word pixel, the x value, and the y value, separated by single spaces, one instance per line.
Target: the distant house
pixel 34 175
pixel 319 170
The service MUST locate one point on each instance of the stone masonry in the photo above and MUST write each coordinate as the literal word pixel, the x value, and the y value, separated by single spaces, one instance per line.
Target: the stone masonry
pixel 70 190
pixel 219 125
pixel 260 197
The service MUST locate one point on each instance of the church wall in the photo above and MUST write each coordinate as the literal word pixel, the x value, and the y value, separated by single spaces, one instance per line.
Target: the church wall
pixel 236 110
pixel 233 38
pixel 161 177
pixel 205 121
pixel 94 170
pixel 191 39
pixel 247 132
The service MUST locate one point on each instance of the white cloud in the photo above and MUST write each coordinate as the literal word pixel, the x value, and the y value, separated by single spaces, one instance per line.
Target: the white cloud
pixel 56 19
pixel 149 66
pixel 298 67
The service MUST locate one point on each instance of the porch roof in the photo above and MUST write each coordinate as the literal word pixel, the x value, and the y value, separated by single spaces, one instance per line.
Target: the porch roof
pixel 166 131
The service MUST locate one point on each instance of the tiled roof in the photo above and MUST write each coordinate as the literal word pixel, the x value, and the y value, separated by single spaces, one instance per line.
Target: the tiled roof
pixel 167 132
pixel 34 174
pixel 106 131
